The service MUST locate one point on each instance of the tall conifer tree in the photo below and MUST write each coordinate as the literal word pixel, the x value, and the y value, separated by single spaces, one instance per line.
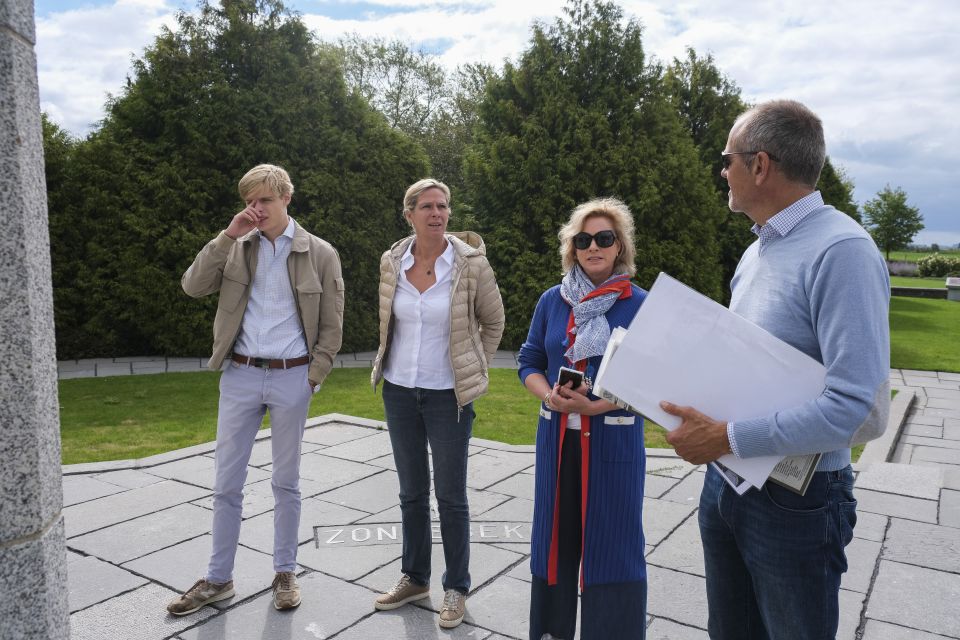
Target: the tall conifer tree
pixel 230 87
pixel 582 114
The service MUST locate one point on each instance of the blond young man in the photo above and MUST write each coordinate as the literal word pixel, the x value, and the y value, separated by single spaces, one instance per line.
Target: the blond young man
pixel 279 324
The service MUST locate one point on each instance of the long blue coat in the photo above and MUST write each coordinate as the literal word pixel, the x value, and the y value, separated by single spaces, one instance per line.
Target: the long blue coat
pixel 614 456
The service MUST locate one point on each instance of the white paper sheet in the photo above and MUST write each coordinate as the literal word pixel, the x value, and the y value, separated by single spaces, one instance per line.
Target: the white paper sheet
pixel 685 348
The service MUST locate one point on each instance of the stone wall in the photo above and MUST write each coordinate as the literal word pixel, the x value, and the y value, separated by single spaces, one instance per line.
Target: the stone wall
pixel 33 600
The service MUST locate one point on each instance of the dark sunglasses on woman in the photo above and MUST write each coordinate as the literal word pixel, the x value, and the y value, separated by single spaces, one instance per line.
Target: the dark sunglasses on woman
pixel 604 239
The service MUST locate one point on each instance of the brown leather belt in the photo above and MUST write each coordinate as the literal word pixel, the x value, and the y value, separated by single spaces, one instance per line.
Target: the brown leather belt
pixel 265 363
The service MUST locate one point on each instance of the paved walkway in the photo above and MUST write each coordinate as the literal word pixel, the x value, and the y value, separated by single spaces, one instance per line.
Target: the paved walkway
pixel 138 532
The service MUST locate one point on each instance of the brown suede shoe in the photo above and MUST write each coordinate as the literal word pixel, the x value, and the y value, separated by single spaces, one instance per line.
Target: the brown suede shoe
pixel 406 590
pixel 201 593
pixel 286 591
pixel 453 608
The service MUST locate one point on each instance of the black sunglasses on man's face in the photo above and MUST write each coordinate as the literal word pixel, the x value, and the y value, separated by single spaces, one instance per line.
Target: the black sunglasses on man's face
pixel 604 239
pixel 726 158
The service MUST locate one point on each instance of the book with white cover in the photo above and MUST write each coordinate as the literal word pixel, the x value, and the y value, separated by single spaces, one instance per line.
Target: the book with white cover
pixel 687 349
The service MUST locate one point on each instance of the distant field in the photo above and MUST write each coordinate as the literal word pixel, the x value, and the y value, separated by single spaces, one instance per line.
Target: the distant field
pixel 913 256
pixel 921 283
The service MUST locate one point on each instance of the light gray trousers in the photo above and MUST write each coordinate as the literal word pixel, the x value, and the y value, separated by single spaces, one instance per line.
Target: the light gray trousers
pixel 246 393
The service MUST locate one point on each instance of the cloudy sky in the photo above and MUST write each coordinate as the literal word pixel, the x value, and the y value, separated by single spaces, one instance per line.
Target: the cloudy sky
pixel 883 74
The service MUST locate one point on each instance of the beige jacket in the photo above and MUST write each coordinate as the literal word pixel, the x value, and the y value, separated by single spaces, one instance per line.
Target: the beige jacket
pixel 476 313
pixel 227 265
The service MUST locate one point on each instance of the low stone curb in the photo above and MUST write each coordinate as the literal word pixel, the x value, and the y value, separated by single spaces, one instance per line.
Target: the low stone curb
pixel 882 449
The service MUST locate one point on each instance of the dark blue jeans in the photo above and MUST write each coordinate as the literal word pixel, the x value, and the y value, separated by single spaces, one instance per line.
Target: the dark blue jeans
pixel 416 417
pixel 774 558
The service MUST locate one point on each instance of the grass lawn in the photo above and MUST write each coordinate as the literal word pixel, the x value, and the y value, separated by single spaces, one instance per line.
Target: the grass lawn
pixel 913 256
pixel 923 334
pixel 124 417
pixel 922 283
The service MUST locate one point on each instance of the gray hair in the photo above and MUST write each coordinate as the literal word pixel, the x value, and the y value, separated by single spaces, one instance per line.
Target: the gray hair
pixel 619 216
pixel 789 133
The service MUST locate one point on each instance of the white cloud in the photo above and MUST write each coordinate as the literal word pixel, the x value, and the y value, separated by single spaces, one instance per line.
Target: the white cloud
pixel 884 75
pixel 84 54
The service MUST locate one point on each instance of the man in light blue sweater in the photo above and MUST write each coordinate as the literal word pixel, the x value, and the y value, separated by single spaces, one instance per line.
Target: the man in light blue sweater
pixel 815 279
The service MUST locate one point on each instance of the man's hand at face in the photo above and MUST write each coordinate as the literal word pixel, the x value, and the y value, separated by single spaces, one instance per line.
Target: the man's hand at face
pixel 244 222
pixel 699 438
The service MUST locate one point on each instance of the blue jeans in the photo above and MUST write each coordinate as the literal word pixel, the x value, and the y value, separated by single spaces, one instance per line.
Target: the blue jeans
pixel 774 558
pixel 416 417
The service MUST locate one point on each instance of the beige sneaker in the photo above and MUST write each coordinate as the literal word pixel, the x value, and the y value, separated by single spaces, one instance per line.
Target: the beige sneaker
pixel 201 593
pixel 406 590
pixel 454 606
pixel 286 591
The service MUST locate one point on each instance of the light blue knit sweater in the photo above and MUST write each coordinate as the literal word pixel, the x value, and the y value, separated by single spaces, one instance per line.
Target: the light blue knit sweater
pixel 823 288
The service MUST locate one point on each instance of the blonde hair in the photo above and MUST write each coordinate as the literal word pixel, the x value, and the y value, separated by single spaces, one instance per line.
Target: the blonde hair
pixel 413 192
pixel 619 216
pixel 266 174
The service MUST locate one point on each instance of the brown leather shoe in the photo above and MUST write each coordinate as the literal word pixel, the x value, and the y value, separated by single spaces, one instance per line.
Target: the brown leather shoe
pixel 406 590
pixel 286 591
pixel 201 593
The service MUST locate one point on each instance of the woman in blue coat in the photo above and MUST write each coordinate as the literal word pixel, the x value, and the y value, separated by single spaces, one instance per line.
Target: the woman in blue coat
pixel 587 514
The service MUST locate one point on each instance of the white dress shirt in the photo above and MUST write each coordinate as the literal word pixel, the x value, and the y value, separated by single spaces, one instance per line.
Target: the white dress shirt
pixel 420 345
pixel 271 327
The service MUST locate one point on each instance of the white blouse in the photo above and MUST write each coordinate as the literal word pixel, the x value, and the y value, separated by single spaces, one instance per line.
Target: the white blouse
pixel 420 345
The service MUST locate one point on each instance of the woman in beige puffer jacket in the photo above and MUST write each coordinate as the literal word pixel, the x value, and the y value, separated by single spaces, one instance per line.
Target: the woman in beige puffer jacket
pixel 441 318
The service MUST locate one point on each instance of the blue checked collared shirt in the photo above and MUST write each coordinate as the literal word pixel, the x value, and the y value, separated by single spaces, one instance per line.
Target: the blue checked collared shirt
pixel 783 222
pixel 271 327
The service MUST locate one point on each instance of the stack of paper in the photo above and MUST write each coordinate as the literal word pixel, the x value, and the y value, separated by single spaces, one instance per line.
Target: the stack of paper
pixel 685 348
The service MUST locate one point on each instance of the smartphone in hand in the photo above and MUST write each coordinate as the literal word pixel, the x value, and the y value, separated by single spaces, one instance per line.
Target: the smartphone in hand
pixel 567 374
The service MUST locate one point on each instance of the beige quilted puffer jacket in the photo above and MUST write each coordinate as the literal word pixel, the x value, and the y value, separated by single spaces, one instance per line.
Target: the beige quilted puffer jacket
pixel 476 313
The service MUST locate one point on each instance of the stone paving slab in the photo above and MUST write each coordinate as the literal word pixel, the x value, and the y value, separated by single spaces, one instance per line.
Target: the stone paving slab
pixel 127 478
pixel 924 545
pixel 870 526
pixel 486 562
pixel 680 597
pixel 179 566
pixel 102 512
pixel 362 449
pixel 199 470
pixel 851 606
pixel 681 550
pixel 328 607
pixel 661 517
pixel 134 614
pixel 876 630
pixel 408 622
pixel 950 508
pixel 91 580
pixel 330 473
pixel 503 607
pixel 348 563
pixel 371 494
pixel 487 468
pixel 687 491
pixel 144 535
pixel 77 489
pixel 898 506
pixel 861 559
pixel 662 629
pixel 902 479
pixel 257 532
pixel 332 433
pixel 931 605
